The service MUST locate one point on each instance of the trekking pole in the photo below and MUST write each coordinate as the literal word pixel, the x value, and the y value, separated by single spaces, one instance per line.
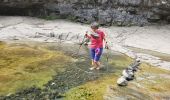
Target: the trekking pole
pixel 107 56
pixel 81 44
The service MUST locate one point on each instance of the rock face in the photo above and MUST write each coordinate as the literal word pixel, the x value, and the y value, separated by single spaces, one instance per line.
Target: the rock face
pixel 106 12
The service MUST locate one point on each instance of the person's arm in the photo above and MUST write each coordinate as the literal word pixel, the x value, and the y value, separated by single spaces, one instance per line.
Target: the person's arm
pixel 87 36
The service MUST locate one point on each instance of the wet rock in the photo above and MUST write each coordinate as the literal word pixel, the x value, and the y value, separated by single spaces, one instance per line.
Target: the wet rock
pixel 122 81
pixel 124 93
pixel 129 73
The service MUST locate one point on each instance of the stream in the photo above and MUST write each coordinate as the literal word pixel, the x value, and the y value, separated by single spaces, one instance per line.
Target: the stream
pixel 44 67
pixel 60 71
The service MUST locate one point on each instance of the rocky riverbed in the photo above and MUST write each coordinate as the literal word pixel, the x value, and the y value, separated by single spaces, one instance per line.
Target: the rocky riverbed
pixel 70 79
pixel 43 61
pixel 44 77
pixel 154 38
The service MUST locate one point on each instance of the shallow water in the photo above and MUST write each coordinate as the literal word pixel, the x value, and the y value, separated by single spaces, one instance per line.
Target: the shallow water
pixel 26 65
pixel 162 56
pixel 56 68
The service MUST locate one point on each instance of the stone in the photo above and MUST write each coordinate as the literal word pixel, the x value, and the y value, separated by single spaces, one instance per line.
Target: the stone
pixel 168 19
pixel 104 17
pixel 122 81
pixel 1 26
pixel 86 15
pixel 154 18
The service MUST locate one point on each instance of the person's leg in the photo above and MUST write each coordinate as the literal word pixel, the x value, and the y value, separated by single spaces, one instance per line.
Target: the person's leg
pixel 92 53
pixel 97 58
pixel 92 62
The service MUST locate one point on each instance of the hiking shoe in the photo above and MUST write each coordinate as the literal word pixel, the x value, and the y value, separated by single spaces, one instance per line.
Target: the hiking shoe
pixel 92 68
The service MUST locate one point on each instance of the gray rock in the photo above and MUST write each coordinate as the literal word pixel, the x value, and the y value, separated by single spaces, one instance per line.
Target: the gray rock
pixel 106 12
pixel 105 17
pixel 122 81
pixel 168 19
pixel 154 18
pixel 86 15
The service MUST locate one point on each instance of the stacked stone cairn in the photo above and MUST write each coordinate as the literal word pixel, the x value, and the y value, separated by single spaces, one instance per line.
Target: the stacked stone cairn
pixel 129 73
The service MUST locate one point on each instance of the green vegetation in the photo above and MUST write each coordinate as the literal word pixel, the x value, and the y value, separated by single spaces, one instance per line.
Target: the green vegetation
pixel 155 81
pixel 96 89
pixel 23 66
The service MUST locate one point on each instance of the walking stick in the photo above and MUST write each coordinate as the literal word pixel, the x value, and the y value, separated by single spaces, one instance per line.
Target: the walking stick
pixel 81 44
pixel 107 57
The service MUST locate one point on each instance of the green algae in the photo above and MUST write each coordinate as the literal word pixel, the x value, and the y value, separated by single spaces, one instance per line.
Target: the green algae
pixel 155 80
pixel 151 84
pixel 96 89
pixel 24 66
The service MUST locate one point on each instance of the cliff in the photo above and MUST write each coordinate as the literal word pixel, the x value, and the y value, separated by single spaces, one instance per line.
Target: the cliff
pixel 106 12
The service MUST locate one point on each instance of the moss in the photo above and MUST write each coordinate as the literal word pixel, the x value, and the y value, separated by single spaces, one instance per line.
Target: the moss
pixel 148 87
pixel 96 89
pixel 2 44
pixel 91 91
pixel 156 80
pixel 23 66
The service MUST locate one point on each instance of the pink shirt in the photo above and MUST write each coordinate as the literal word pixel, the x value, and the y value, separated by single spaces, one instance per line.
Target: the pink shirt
pixel 97 42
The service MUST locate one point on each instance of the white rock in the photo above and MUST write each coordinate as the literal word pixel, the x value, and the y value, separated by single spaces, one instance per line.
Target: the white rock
pixel 122 81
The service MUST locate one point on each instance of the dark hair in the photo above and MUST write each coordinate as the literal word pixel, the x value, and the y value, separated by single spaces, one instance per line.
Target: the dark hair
pixel 94 25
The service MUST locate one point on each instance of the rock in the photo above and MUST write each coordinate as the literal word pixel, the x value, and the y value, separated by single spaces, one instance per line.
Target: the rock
pixel 51 34
pixel 1 26
pixel 128 74
pixel 168 19
pixel 122 81
pixel 132 10
pixel 121 93
pixel 107 12
pixel 105 17
pixel 130 2
pixel 85 15
pixel 154 18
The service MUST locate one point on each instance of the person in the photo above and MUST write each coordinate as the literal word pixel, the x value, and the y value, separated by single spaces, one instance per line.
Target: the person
pixel 97 39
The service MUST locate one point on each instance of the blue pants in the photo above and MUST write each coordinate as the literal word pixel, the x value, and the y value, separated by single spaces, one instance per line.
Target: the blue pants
pixel 96 56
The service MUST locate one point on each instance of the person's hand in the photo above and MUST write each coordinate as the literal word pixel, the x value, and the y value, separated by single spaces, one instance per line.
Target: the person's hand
pixel 86 34
pixel 106 46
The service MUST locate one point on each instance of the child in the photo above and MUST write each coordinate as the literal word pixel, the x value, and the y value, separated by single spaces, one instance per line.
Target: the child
pixel 97 37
